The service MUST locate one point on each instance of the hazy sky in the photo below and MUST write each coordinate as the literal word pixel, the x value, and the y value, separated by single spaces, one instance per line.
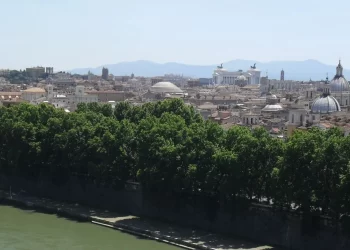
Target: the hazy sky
pixel 68 34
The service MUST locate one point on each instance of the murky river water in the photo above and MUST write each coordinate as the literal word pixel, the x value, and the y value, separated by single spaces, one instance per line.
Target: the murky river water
pixel 30 230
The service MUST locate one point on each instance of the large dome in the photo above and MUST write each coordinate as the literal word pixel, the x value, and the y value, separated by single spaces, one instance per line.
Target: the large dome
pixel 325 104
pixel 339 84
pixel 165 87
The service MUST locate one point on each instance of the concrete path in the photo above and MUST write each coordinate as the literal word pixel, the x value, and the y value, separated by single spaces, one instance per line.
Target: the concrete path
pixel 150 228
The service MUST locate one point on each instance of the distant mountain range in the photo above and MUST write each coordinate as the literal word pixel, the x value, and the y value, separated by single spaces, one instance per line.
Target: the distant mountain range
pixel 294 70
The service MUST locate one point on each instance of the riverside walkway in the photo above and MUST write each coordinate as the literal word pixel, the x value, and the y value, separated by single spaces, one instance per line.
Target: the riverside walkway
pixel 170 234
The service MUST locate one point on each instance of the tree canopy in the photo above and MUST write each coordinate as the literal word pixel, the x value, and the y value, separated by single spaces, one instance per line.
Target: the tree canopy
pixel 168 147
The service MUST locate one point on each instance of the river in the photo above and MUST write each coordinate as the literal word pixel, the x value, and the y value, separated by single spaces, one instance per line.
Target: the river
pixel 30 230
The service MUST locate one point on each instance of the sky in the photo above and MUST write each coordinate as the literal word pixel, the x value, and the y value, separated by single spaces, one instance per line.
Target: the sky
pixel 68 34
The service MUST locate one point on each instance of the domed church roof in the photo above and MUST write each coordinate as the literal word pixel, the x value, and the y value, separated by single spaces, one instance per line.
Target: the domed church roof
pixel 325 104
pixel 339 83
pixel 165 87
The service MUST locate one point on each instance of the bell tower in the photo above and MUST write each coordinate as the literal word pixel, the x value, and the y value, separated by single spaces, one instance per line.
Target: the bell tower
pixel 282 75
pixel 339 69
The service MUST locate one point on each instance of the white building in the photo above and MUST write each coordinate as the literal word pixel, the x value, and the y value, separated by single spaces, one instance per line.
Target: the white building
pixel 225 77
pixel 70 101
pixel 34 94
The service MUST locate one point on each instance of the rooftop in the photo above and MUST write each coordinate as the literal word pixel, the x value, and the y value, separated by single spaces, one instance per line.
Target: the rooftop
pixel 34 90
pixel 165 87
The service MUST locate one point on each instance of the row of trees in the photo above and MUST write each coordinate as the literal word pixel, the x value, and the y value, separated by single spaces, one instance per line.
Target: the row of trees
pixel 168 147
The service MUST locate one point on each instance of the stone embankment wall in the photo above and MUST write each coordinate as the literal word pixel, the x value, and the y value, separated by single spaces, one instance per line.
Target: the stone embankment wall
pixel 127 200
pixel 257 223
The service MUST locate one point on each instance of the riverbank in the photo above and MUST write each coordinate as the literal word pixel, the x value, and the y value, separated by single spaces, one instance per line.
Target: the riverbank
pixel 155 230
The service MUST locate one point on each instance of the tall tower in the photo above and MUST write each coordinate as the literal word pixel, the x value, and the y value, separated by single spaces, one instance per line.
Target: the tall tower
pixel 79 90
pixel 282 75
pixel 104 73
pixel 339 69
pixel 50 91
pixel 49 70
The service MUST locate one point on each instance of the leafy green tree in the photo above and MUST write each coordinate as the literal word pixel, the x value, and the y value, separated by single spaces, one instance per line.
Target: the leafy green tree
pixel 333 169
pixel 298 170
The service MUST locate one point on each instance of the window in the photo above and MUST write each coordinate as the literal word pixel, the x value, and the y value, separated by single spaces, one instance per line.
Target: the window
pixel 292 118
pixel 313 117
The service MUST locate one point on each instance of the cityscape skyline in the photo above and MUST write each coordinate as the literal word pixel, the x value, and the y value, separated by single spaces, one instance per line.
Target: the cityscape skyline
pixel 73 34
pixel 294 70
pixel 140 116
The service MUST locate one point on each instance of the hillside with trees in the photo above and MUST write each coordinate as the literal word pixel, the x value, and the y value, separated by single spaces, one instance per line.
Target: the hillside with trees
pixel 18 77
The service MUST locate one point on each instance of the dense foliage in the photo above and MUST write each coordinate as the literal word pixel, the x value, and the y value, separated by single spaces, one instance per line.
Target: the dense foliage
pixel 18 77
pixel 169 148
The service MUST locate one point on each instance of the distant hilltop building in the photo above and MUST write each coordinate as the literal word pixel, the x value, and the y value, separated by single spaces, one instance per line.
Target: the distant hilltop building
pixel 105 73
pixel 49 70
pixel 39 72
pixel 225 77
pixel 35 72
